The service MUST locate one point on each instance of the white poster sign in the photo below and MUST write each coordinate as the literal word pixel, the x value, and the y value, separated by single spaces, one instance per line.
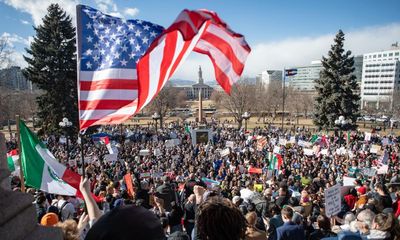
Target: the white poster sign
pixel 332 201
pixel 111 157
pixel 348 181
pixel 230 144
pixel 308 151
pixel 225 152
pixel 367 136
pixel 144 152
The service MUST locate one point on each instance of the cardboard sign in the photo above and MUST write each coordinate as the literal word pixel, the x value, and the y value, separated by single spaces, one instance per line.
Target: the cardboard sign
pixel 375 149
pixel 144 152
pixel 333 203
pixel 348 181
pixel 230 144
pixel 225 152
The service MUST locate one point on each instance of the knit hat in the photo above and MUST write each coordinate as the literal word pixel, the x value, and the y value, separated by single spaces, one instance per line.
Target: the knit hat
pixel 362 190
pixel 49 219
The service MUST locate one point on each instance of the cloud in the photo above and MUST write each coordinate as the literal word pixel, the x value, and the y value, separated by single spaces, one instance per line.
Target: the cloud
pixel 25 22
pixel 38 8
pixel 298 51
pixel 14 38
pixel 131 12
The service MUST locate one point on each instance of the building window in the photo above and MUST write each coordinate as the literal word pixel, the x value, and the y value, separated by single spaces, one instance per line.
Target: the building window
pixel 397 53
pixel 379 55
pixel 390 54
pixel 384 55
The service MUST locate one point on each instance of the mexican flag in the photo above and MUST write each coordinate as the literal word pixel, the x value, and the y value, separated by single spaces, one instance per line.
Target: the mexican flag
pixel 42 170
pixel 314 138
pixel 275 162
pixel 12 160
pixel 106 141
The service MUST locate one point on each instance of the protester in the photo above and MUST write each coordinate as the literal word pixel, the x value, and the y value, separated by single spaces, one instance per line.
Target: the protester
pixel 191 190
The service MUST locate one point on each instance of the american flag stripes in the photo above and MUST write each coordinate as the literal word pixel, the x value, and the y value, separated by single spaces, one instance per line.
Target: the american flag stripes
pixel 123 64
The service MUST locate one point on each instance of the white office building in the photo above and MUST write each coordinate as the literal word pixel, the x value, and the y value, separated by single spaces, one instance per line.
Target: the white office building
pixel 380 78
pixel 305 77
pixel 269 76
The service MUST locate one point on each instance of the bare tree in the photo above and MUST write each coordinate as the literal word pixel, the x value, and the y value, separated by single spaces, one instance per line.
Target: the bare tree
pixel 167 99
pixel 5 52
pixel 242 99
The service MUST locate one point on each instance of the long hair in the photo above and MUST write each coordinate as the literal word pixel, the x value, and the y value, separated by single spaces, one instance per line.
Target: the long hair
pixel 220 219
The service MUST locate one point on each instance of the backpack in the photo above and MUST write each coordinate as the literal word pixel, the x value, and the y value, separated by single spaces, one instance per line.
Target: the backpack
pixel 59 212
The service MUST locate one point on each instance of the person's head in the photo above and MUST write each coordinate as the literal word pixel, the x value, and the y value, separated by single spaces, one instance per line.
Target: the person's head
pixel 251 219
pixel 127 221
pixel 70 229
pixel 41 200
pixel 324 222
pixel 382 222
pixel 49 219
pixel 287 214
pixel 380 188
pixel 220 219
pixel 366 216
pixel 349 217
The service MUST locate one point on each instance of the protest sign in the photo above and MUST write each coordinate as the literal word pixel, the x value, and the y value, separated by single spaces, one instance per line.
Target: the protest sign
pixel 145 175
pixel 230 144
pixel 175 157
pixel 375 149
pixel 277 149
pixel 157 152
pixel 111 157
pixel 144 152
pixel 367 136
pixel 332 201
pixel 341 151
pixel 383 169
pixel 292 139
pixel 369 172
pixel 282 141
pixel 303 144
pixel 348 181
pixel 129 184
pixel 225 152
pixel 324 151
pixel 253 170
pixel 308 151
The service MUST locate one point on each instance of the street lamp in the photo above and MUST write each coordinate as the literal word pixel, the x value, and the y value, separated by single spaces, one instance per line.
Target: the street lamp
pixel 65 124
pixel 155 117
pixel 341 123
pixel 246 117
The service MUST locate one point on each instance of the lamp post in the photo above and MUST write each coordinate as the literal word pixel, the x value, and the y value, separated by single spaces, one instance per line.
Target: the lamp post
pixel 155 117
pixel 341 123
pixel 65 124
pixel 246 117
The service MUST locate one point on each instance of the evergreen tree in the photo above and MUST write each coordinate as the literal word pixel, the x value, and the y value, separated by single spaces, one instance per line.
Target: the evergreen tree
pixel 337 87
pixel 52 67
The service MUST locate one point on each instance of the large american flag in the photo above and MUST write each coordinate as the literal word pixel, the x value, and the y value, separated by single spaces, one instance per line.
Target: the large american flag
pixel 123 64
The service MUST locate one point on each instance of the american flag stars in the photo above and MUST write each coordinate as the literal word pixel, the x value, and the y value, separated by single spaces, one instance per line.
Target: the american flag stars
pixel 114 43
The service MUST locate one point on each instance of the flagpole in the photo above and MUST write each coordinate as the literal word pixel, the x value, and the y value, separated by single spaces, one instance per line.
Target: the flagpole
pixel 283 97
pixel 82 156
pixel 21 174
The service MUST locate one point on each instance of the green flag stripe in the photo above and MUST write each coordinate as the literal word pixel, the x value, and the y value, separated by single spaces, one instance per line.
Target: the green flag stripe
pixel 11 165
pixel 32 162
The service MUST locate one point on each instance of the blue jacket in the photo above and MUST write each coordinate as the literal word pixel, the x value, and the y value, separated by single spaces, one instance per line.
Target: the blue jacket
pixel 290 231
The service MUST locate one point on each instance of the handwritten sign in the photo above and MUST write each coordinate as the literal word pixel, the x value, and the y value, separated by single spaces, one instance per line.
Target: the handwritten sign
pixel 332 201
pixel 225 152
pixel 302 143
pixel 367 136
pixel 375 149
pixel 369 172
pixel 144 152
pixel 308 151
pixel 348 181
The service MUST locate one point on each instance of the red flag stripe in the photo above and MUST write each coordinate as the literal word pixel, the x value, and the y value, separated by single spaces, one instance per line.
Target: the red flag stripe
pixel 103 104
pixel 108 84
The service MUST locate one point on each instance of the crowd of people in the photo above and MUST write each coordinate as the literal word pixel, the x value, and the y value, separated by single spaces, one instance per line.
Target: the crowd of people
pixel 186 190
